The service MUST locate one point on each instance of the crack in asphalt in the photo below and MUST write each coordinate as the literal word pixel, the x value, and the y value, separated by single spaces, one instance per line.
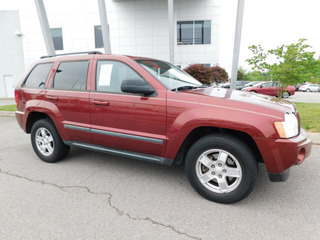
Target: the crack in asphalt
pixel 109 197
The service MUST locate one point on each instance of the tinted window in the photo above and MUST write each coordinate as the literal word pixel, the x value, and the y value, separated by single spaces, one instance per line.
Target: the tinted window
pixel 110 75
pixel 194 32
pixel 202 32
pixel 56 34
pixel 38 76
pixel 71 76
pixel 98 37
pixel 185 32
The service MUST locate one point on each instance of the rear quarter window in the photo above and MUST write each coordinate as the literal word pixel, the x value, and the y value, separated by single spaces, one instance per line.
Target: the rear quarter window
pixel 38 76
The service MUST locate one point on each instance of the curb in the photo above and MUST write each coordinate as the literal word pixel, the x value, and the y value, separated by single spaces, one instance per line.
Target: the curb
pixel 314 136
pixel 7 114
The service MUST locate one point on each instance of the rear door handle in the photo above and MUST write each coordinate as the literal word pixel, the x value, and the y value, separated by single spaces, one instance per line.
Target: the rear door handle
pixel 100 103
pixel 52 98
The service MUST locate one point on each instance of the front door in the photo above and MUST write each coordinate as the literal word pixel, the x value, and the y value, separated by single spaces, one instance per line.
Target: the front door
pixel 119 120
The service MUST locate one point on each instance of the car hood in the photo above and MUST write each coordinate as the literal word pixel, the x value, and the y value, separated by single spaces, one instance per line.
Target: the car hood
pixel 245 100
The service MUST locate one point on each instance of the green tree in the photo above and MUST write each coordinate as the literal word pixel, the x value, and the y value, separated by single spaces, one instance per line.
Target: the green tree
pixel 255 76
pixel 241 73
pixel 294 63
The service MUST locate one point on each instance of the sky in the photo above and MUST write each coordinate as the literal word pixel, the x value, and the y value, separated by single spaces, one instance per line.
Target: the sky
pixel 270 23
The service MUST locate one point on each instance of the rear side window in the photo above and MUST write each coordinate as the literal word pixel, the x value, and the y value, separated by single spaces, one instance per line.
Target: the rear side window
pixel 71 76
pixel 37 77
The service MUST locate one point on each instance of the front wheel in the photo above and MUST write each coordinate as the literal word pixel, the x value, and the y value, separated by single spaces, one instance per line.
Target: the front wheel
pixel 221 168
pixel 46 141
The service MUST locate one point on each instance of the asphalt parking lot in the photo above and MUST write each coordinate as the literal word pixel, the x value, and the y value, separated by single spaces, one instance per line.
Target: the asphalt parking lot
pixel 91 195
pixel 307 97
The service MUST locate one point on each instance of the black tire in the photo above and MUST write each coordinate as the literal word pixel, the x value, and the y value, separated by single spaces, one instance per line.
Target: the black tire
pixel 49 147
pixel 239 154
pixel 308 90
pixel 253 91
pixel 285 94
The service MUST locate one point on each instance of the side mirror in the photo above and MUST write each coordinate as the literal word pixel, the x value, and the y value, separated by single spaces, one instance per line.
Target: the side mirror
pixel 261 86
pixel 137 86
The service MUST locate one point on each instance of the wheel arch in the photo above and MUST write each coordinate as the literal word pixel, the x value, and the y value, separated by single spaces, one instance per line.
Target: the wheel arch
pixel 34 117
pixel 200 132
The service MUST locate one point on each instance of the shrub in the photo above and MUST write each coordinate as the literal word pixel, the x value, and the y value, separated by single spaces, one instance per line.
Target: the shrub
pixel 219 74
pixel 201 73
pixel 207 75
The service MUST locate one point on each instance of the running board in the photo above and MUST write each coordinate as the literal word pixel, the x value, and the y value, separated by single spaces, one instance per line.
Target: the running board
pixel 123 153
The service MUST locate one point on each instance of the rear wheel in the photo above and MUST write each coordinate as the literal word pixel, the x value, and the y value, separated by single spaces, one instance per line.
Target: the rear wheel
pixel 221 168
pixel 46 141
pixel 285 94
pixel 308 90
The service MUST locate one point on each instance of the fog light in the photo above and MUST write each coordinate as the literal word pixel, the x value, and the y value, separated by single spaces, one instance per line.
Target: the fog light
pixel 301 155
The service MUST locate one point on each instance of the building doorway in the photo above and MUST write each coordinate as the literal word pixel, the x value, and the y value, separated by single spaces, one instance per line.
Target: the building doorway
pixel 9 85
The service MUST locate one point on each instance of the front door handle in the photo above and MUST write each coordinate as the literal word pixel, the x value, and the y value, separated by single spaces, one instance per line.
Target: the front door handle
pixel 100 103
pixel 52 98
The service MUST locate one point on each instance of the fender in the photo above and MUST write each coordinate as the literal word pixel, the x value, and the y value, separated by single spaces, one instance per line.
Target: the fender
pixel 255 125
pixel 47 108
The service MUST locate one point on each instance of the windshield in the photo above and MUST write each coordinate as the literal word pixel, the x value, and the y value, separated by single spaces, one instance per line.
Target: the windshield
pixel 169 75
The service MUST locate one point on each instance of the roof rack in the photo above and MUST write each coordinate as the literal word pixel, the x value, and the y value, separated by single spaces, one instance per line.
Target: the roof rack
pixel 74 53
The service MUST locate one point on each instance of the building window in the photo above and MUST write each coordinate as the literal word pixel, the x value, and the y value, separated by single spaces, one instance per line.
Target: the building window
pixel 206 65
pixel 194 32
pixel 98 37
pixel 56 34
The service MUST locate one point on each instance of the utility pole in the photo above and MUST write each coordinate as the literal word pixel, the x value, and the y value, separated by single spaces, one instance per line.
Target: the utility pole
pixel 104 27
pixel 171 31
pixel 236 47
pixel 44 23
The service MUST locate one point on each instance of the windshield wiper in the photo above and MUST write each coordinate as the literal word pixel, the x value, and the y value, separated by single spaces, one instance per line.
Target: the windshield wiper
pixel 187 87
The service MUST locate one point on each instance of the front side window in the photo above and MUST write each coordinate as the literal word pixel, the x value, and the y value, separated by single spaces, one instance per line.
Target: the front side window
pixel 71 76
pixel 169 75
pixel 56 34
pixel 193 32
pixel 38 76
pixel 110 75
pixel 268 84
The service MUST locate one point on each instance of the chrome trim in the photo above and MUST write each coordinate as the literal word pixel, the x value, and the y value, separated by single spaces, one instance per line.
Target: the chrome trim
pixel 123 153
pixel 19 112
pixel 129 136
pixel 77 128
pixel 115 134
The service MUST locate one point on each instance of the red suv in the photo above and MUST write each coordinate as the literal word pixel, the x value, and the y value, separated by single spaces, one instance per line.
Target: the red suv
pixel 150 110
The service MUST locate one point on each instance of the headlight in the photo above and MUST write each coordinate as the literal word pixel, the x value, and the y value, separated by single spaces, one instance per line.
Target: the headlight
pixel 289 127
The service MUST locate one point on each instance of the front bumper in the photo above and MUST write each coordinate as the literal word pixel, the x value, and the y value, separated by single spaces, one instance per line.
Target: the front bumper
pixel 280 154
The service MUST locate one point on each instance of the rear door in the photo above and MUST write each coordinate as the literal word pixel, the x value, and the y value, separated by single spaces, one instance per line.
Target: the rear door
pixel 68 99
pixel 126 121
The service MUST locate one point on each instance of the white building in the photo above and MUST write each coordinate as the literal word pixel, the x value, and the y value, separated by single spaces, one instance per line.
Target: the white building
pixel 137 27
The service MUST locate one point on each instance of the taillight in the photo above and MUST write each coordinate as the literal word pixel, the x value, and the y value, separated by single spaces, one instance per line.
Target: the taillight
pixel 17 95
